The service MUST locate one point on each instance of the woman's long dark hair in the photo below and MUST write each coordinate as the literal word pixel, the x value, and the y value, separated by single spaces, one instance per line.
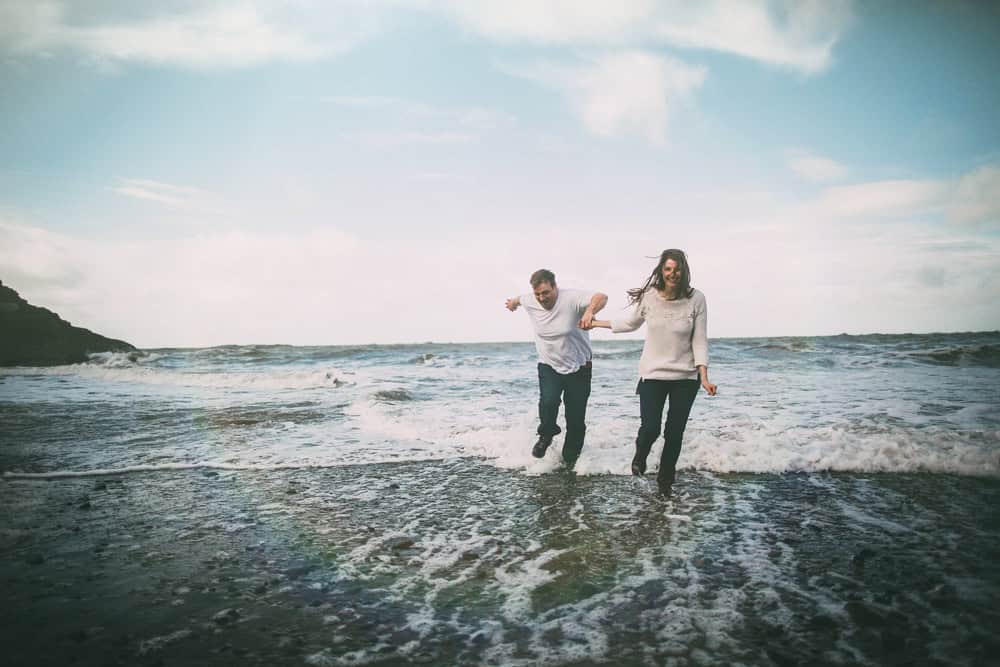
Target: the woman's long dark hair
pixel 656 277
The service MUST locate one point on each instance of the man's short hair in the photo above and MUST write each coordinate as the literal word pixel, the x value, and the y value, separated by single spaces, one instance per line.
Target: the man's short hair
pixel 542 276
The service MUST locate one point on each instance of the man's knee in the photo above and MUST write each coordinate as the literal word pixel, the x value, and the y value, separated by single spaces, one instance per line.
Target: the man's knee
pixel 548 402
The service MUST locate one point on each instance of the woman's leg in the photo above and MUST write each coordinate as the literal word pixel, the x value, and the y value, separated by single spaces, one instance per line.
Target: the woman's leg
pixel 682 395
pixel 652 394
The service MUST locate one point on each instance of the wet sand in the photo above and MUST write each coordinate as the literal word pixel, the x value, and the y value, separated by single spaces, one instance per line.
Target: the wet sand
pixel 460 563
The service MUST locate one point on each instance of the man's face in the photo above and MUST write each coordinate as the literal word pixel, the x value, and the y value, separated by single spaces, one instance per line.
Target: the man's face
pixel 546 294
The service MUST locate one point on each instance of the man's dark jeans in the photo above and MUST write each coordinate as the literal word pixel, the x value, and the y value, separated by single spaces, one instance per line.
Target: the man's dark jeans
pixel 574 388
pixel 652 395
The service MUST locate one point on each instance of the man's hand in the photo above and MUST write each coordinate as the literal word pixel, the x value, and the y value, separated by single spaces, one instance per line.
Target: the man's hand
pixel 512 304
pixel 597 301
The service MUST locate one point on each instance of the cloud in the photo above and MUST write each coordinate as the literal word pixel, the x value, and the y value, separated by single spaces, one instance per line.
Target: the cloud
pixel 485 119
pixel 413 138
pixel 231 36
pixel 238 33
pixel 439 177
pixel 971 200
pixel 549 21
pixel 815 169
pixel 318 285
pixel 883 199
pixel 472 118
pixel 423 124
pixel 321 284
pixel 174 196
pixel 198 290
pixel 977 197
pixel 196 35
pixel 395 104
pixel 797 35
pixel 37 258
pixel 28 26
pixel 621 92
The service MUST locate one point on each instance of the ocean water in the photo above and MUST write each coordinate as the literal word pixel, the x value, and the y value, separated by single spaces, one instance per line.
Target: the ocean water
pixel 378 505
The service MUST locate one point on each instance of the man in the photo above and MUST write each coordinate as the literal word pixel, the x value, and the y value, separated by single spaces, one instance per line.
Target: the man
pixel 561 320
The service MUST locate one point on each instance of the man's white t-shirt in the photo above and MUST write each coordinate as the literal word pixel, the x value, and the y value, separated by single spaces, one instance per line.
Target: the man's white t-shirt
pixel 560 342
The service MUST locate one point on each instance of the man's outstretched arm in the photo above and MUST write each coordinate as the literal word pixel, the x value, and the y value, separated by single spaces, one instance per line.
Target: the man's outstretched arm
pixel 512 304
pixel 597 302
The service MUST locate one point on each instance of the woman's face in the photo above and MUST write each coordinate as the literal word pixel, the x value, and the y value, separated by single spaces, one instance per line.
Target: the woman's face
pixel 671 275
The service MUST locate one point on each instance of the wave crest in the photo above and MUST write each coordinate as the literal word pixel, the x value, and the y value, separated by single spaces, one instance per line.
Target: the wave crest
pixel 121 359
pixel 966 355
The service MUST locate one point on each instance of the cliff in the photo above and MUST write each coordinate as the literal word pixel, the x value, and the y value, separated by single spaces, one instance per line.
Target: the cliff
pixel 33 336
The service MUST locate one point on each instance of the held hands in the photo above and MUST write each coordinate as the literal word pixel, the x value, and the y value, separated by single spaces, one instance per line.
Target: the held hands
pixel 597 302
pixel 587 322
pixel 512 304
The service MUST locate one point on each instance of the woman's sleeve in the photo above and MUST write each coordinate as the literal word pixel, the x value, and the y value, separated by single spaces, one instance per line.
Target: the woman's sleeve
pixel 630 323
pixel 699 334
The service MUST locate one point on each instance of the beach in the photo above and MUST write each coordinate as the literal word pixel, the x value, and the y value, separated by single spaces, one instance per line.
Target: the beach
pixel 378 505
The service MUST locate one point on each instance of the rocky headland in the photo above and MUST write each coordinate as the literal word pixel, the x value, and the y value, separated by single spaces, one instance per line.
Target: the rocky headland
pixel 33 336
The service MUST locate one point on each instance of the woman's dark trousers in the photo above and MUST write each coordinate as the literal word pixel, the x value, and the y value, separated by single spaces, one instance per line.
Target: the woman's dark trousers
pixel 652 395
pixel 574 390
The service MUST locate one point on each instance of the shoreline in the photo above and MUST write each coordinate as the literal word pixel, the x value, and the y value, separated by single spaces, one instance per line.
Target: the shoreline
pixel 331 566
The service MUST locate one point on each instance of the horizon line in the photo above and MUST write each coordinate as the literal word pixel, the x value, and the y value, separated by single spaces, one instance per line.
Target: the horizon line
pixel 531 342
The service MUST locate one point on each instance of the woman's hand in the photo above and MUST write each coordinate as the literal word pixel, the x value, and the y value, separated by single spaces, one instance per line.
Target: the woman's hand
pixel 703 375
pixel 595 324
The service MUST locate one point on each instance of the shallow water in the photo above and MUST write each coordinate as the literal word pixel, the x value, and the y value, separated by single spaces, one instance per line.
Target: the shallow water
pixel 461 563
pixel 379 505
pixel 865 403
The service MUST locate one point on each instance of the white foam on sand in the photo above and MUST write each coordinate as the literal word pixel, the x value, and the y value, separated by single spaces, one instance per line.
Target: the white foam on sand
pixel 844 447
pixel 156 643
pixel 375 422
pixel 383 437
pixel 520 577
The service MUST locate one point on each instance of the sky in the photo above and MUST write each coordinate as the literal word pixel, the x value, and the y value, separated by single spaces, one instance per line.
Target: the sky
pixel 187 174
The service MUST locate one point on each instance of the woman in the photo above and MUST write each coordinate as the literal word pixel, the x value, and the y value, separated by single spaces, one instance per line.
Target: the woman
pixel 674 358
